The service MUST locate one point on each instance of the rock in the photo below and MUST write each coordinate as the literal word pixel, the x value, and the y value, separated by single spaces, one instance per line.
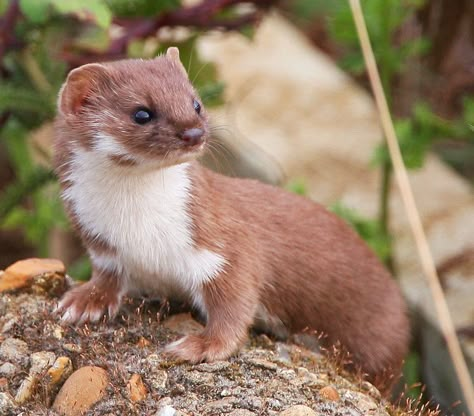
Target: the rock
pixel 371 390
pixel 218 407
pixel 329 393
pixel 14 350
pixel 7 404
pixel 26 389
pixel 241 412
pixel 310 379
pixel 72 348
pixel 10 322
pixel 3 384
pixel 53 330
pixel 183 324
pixel 81 391
pixel 157 379
pixel 268 365
pixel 40 361
pixel 213 367
pixel 39 275
pixel 362 402
pixel 8 369
pixel 199 378
pixel 143 342
pixel 167 411
pixel 136 389
pixel 298 410
pixel 59 372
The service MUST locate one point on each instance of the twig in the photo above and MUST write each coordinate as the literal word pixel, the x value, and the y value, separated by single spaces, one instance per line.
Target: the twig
pixel 7 27
pixel 406 192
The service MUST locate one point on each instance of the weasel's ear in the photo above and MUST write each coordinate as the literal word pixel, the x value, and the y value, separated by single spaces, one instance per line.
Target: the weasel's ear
pixel 79 85
pixel 172 54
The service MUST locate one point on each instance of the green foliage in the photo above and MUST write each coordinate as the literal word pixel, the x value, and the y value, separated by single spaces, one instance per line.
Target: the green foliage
pixel 297 186
pixel 135 8
pixel 369 230
pixel 95 11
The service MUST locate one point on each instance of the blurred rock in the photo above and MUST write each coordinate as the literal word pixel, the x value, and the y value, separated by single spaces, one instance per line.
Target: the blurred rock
pixel 38 275
pixel 14 350
pixel 299 410
pixel 136 389
pixel 81 391
pixel 329 393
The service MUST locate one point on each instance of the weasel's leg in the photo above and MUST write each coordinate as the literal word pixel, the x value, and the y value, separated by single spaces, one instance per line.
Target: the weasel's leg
pixel 231 306
pixel 90 302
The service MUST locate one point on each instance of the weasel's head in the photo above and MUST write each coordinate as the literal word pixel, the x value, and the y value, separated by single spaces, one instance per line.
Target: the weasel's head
pixel 135 112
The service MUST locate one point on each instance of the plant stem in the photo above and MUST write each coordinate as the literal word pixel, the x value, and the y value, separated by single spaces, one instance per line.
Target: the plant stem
pixel 386 75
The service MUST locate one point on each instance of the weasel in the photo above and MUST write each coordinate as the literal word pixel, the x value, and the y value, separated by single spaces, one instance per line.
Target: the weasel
pixel 156 222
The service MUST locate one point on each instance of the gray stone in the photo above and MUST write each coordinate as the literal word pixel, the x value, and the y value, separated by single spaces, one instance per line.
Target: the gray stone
pixel 166 411
pixel 41 361
pixel 7 404
pixel 213 367
pixel 241 412
pixel 14 350
pixel 8 369
pixel 158 379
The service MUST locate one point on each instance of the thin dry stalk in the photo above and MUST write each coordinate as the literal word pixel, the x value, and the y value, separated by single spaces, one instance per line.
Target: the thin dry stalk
pixel 413 215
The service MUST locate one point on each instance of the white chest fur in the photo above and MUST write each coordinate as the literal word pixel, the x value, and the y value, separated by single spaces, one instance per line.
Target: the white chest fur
pixel 144 216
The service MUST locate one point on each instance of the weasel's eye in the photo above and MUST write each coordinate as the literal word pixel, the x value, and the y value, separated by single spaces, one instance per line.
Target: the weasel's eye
pixel 143 116
pixel 197 106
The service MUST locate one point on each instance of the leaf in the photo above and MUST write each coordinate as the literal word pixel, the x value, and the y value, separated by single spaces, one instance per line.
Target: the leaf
pixel 141 8
pixel 36 11
pixel 96 11
pixel 16 98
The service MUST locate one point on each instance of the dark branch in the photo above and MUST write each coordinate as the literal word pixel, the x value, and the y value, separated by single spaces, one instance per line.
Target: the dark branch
pixel 7 27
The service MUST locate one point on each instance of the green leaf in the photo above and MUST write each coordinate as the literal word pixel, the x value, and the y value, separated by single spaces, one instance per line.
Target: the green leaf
pixel 21 99
pixel 96 11
pixel 138 8
pixel 298 186
pixel 36 11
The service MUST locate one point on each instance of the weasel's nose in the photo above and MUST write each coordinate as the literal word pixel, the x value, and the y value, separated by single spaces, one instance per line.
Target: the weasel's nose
pixel 192 136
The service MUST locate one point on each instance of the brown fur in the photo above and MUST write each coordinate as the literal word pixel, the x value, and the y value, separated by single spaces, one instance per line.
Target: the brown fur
pixel 304 264
pixel 288 260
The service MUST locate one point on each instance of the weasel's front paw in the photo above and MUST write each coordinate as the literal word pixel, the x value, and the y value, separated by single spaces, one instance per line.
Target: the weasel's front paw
pixel 88 303
pixel 198 348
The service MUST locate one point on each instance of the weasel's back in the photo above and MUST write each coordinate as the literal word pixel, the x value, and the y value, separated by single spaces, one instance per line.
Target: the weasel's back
pixel 318 272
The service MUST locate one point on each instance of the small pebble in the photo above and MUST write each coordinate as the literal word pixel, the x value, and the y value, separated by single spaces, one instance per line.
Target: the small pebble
pixel 26 389
pixel 59 372
pixel 329 393
pixel 72 348
pixel 81 390
pixel 143 342
pixel 41 361
pixel 298 410
pixel 14 350
pixel 158 379
pixel 3 384
pixel 8 369
pixel 268 365
pixel 183 324
pixel 166 411
pixel 136 388
pixel 7 404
